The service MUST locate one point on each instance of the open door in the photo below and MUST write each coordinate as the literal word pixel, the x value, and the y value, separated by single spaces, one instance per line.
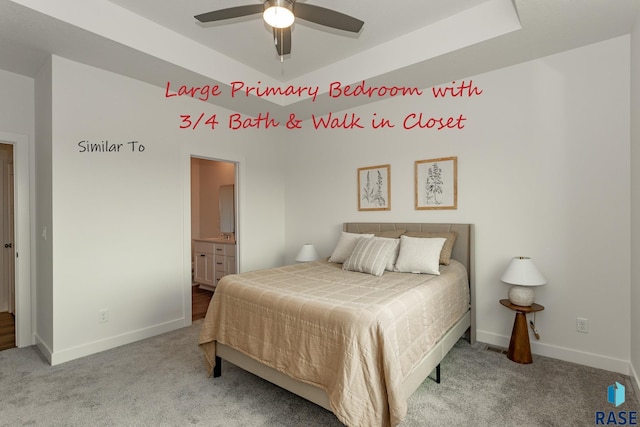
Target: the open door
pixel 7 246
pixel 7 259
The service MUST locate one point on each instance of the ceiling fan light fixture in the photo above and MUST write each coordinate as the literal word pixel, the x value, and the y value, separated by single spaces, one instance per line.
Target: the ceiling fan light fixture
pixel 278 13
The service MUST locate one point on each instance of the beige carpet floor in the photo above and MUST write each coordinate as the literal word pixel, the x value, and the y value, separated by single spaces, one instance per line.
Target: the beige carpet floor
pixel 161 381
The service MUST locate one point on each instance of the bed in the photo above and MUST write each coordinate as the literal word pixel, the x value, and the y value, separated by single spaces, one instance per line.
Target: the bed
pixel 354 343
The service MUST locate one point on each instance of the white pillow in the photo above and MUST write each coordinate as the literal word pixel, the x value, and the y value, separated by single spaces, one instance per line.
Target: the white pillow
pixel 419 255
pixel 370 256
pixel 393 257
pixel 345 246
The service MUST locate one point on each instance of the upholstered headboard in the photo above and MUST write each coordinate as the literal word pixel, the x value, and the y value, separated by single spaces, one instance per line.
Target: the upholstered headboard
pixel 463 250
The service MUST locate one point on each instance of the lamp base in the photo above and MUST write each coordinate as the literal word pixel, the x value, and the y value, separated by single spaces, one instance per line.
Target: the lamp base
pixel 521 295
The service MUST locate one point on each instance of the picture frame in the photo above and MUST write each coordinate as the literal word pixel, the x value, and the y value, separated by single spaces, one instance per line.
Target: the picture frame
pixel 374 188
pixel 436 183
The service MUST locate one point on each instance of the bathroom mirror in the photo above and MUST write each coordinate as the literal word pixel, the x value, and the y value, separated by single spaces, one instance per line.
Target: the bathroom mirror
pixel 227 208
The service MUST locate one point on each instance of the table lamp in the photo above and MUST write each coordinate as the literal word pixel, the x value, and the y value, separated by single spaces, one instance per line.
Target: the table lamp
pixel 523 275
pixel 307 253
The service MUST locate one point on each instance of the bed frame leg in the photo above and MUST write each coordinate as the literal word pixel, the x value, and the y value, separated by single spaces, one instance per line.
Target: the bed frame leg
pixel 437 378
pixel 217 370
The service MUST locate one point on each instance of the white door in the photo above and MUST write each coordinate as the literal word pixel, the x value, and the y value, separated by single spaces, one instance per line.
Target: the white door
pixel 7 257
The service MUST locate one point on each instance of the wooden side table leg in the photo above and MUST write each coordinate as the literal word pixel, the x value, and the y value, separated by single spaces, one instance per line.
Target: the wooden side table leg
pixel 519 347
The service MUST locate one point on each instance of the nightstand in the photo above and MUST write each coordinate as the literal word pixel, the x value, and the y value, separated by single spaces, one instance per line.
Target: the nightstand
pixel 519 347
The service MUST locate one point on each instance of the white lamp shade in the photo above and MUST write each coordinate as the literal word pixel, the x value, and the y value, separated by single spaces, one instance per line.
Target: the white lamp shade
pixel 523 272
pixel 307 253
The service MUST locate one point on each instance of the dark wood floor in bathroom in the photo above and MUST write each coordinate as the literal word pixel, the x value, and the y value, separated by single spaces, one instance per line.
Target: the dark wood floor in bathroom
pixel 7 331
pixel 199 302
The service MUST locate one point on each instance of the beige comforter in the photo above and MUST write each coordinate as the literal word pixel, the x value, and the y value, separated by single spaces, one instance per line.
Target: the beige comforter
pixel 353 335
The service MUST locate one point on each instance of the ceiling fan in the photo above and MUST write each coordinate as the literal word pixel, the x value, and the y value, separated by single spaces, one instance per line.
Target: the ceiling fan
pixel 280 15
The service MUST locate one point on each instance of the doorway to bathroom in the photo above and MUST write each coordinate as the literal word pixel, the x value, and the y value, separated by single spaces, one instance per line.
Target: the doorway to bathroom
pixel 213 227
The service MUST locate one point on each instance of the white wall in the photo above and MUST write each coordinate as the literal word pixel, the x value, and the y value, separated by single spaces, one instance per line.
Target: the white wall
pixel 121 220
pixel 44 224
pixel 635 202
pixel 16 103
pixel 543 171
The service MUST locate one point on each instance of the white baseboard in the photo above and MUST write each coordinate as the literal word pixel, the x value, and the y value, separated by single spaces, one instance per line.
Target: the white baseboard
pixel 87 349
pixel 561 353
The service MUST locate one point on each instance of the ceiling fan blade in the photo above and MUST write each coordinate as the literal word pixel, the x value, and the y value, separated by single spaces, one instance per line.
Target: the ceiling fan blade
pixel 327 17
pixel 232 12
pixel 282 40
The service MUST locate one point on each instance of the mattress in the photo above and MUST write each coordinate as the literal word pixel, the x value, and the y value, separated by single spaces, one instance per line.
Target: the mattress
pixel 353 335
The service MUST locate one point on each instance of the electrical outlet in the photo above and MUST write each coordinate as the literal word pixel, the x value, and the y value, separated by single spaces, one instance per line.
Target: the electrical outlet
pixel 582 325
pixel 103 315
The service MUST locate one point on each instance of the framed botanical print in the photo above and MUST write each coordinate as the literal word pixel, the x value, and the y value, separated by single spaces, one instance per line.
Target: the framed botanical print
pixel 436 183
pixel 374 188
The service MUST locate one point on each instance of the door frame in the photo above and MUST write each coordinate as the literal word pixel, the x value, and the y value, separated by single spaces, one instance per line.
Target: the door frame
pixel 23 224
